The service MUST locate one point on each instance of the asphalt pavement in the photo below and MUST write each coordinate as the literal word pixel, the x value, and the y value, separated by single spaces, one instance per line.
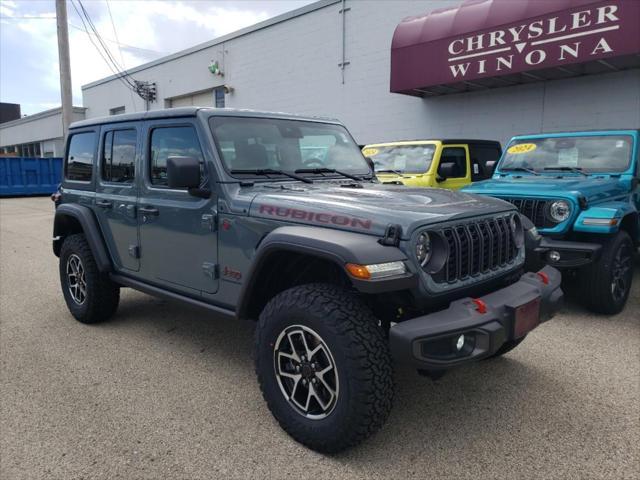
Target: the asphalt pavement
pixel 168 392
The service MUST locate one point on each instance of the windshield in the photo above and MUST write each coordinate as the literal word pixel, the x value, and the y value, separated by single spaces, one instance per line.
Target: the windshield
pixel 249 143
pixel 401 158
pixel 589 154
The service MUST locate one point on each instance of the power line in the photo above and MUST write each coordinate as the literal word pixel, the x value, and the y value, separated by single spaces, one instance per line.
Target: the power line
pixel 116 73
pixel 115 33
pixel 125 45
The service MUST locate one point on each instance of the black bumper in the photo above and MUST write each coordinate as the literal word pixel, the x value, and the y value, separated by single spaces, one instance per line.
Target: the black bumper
pixel 572 254
pixel 429 342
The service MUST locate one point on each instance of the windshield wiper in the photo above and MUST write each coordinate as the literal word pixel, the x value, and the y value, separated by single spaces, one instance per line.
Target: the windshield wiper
pixel 567 169
pixel 520 169
pixel 397 172
pixel 328 170
pixel 271 171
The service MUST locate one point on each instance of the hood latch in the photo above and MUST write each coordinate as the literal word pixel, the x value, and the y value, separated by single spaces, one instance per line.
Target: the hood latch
pixel 391 236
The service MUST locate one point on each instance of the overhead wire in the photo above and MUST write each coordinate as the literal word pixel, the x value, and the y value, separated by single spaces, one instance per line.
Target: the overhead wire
pixel 115 33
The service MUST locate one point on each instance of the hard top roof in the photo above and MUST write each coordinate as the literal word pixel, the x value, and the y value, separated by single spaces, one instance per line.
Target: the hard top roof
pixel 192 112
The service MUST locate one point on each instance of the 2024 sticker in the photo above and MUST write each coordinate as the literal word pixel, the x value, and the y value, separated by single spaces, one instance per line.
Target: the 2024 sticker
pixel 522 148
pixel 370 152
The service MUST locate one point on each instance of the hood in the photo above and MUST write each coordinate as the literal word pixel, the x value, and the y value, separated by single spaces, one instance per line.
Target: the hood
pixel 370 209
pixel 592 188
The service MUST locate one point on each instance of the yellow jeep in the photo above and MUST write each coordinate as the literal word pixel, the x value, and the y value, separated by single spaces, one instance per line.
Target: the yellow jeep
pixel 434 163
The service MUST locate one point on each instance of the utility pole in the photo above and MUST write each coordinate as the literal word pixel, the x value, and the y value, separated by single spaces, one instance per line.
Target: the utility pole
pixel 65 65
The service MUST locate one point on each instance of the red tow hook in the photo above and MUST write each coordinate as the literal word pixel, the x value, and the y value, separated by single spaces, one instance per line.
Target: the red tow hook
pixel 481 307
pixel 543 277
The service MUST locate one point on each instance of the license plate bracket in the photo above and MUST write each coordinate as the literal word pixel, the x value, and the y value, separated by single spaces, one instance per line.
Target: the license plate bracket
pixel 526 318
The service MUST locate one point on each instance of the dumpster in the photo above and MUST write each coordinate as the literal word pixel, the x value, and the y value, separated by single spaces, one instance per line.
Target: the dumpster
pixel 29 176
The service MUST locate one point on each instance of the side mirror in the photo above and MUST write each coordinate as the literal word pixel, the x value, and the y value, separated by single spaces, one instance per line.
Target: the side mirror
pixel 447 170
pixel 183 172
pixel 490 167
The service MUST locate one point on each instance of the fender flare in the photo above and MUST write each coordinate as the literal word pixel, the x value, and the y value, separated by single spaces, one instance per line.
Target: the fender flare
pixel 605 211
pixel 336 246
pixel 85 217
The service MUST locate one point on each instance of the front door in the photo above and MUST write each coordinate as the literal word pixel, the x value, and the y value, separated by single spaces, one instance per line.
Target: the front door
pixel 116 193
pixel 458 155
pixel 178 237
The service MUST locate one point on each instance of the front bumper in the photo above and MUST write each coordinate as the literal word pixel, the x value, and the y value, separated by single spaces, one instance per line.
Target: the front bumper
pixel 429 342
pixel 572 254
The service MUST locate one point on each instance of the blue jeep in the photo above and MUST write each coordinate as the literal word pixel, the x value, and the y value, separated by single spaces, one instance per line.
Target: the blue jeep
pixel 580 190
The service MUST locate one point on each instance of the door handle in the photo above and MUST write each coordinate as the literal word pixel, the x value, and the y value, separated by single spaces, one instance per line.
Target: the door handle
pixel 149 211
pixel 104 204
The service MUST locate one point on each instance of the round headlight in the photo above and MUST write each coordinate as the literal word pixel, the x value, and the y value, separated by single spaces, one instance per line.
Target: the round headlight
pixel 423 248
pixel 559 211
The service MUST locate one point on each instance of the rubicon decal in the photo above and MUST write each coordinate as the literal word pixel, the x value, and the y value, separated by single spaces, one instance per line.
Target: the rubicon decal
pixel 315 217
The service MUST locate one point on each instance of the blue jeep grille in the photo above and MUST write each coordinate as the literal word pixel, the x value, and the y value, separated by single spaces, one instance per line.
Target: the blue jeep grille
pixel 534 210
pixel 477 247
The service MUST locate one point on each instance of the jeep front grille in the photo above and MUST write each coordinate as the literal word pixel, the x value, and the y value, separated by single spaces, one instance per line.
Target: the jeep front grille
pixel 477 247
pixel 534 210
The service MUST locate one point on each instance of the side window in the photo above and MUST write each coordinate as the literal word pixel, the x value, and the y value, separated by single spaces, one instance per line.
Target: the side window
pixel 119 156
pixel 457 156
pixel 172 142
pixel 483 160
pixel 80 158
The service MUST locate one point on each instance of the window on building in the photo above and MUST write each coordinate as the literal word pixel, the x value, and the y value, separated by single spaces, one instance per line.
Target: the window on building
pixel 80 158
pixel 457 156
pixel 172 142
pixel 119 156
pixel 117 111
pixel 218 94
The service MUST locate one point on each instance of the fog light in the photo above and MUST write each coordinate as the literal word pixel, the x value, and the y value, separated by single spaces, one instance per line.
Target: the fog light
pixel 460 343
pixel 553 256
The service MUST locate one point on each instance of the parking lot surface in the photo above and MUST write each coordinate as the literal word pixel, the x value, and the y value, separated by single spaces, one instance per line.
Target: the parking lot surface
pixel 168 392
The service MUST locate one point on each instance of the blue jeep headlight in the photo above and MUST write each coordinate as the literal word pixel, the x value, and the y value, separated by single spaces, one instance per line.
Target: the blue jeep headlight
pixel 559 211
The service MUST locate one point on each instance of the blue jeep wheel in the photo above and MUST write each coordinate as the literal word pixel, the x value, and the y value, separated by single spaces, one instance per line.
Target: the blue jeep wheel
pixel 606 284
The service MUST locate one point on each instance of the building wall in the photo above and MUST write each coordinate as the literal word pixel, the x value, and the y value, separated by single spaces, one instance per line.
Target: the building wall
pixel 292 66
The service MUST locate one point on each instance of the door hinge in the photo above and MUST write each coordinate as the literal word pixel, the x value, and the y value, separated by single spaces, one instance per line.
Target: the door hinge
pixel 211 270
pixel 208 221
pixel 134 251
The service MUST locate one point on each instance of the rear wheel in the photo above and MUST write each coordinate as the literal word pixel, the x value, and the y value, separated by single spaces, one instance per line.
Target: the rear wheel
pixel 90 295
pixel 605 285
pixel 323 366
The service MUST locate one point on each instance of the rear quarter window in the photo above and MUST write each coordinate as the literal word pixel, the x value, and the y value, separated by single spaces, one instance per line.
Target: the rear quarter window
pixel 80 157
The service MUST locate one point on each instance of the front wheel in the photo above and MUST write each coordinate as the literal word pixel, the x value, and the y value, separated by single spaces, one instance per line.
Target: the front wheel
pixel 605 285
pixel 324 366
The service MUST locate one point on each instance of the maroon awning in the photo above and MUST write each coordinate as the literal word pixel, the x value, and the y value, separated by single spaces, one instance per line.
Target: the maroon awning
pixel 491 43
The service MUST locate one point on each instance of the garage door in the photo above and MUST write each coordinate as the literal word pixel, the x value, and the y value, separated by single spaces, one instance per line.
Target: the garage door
pixel 203 99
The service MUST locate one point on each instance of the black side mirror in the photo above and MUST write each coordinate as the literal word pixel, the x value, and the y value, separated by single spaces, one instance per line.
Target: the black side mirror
pixel 371 164
pixel 183 172
pixel 490 167
pixel 447 170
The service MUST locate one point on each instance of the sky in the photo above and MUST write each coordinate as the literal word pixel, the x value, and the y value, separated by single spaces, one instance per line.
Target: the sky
pixel 141 31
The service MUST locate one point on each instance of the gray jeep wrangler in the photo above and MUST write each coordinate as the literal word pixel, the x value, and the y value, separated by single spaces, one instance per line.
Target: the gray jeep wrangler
pixel 278 219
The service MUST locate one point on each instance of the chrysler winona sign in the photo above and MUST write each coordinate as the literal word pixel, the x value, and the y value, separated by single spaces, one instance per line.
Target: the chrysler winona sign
pixel 590 31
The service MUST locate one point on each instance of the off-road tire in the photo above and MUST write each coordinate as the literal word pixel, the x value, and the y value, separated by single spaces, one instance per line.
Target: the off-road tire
pixel 506 347
pixel 102 295
pixel 362 359
pixel 596 279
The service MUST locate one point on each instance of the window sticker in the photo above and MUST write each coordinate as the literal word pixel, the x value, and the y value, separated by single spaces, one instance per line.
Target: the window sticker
pixel 568 157
pixel 370 152
pixel 522 148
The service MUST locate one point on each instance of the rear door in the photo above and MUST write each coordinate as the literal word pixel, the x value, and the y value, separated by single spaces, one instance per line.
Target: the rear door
pixel 116 192
pixel 178 237
pixel 459 156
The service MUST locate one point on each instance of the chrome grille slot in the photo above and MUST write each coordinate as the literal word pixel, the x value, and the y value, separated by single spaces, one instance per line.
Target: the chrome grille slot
pixel 477 247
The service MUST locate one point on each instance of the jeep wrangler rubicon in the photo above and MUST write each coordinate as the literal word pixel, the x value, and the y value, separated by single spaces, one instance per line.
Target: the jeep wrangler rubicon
pixel 580 189
pixel 278 219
